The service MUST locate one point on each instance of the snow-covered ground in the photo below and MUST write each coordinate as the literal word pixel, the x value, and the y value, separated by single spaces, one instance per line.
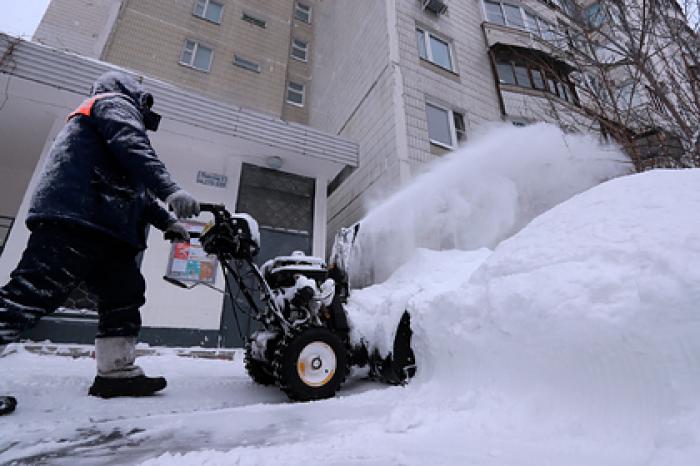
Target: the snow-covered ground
pixel 573 342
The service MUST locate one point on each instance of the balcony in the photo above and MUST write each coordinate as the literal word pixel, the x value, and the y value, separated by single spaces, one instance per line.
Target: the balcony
pixel 553 47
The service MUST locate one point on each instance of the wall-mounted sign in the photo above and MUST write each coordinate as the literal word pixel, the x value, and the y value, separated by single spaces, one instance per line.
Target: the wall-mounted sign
pixel 212 179
pixel 189 262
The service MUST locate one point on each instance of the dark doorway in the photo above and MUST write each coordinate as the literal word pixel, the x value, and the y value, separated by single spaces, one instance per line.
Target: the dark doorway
pixel 283 205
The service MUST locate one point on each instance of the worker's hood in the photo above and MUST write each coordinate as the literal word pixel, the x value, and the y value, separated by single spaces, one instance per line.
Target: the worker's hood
pixel 123 83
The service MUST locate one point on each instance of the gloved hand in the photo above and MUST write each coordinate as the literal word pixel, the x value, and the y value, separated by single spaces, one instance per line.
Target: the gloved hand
pixel 177 233
pixel 183 204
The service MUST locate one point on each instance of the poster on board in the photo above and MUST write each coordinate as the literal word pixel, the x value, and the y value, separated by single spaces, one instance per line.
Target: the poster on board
pixel 188 262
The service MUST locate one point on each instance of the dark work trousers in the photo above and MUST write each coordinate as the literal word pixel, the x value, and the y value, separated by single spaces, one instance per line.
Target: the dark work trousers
pixel 60 257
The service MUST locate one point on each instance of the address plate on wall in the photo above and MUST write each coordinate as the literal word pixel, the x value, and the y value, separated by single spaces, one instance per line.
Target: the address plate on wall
pixel 212 179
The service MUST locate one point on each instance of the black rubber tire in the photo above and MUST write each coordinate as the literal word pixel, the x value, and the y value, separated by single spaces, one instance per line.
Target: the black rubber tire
pixel 287 353
pixel 259 371
pixel 7 404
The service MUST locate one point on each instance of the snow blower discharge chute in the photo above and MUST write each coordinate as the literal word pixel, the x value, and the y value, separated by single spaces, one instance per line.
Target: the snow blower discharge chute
pixel 304 344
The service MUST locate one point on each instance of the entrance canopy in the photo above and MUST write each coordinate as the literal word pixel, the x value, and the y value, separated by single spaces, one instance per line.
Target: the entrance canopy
pixel 36 77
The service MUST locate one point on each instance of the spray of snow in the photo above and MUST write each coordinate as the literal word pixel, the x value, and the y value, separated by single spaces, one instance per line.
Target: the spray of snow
pixel 479 195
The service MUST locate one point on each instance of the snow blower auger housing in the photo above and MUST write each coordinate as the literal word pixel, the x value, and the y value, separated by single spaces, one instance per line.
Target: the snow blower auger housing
pixel 304 345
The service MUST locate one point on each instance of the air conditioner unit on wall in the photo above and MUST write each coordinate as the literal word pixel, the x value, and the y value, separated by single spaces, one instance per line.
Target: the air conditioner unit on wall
pixel 435 6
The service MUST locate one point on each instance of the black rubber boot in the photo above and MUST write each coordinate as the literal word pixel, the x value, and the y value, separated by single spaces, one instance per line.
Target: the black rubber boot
pixel 107 387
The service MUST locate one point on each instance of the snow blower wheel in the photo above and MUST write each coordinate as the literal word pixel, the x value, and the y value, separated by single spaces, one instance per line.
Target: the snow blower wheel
pixel 311 365
pixel 259 371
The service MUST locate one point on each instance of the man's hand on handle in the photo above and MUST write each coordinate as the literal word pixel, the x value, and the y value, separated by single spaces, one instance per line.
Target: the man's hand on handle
pixel 183 204
pixel 177 233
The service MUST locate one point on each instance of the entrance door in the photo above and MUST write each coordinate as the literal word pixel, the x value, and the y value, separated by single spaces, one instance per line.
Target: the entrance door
pixel 283 205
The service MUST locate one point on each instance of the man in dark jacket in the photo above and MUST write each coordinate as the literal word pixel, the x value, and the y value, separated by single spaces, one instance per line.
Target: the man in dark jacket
pixel 88 220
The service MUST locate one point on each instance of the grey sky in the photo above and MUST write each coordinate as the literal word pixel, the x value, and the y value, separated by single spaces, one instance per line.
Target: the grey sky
pixel 21 17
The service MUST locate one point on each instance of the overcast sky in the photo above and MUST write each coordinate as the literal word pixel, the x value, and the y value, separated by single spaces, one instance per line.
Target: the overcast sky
pixel 21 17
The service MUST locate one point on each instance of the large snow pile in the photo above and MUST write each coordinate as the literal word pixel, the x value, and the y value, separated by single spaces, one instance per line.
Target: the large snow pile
pixel 481 194
pixel 583 329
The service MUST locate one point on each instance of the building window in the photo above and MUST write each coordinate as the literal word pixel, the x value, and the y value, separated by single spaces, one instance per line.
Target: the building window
pixel 295 93
pixel 514 17
pixel 505 73
pixel 494 13
pixel 196 55
pixel 519 72
pixel 445 127
pixel 245 63
pixel 300 49
pixel 549 30
pixel 209 10
pixel 339 179
pixel 434 49
pixel 522 77
pixel 537 79
pixel 302 12
pixel 518 17
pixel 253 20
pixel 532 23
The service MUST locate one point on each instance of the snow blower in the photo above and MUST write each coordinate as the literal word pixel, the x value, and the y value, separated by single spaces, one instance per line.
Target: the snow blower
pixel 304 345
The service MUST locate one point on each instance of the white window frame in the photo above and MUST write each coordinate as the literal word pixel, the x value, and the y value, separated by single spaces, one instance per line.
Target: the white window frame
pixel 195 49
pixel 429 50
pixel 520 12
pixel 304 9
pixel 305 49
pixel 484 11
pixel 542 24
pixel 451 121
pixel 206 4
pixel 302 92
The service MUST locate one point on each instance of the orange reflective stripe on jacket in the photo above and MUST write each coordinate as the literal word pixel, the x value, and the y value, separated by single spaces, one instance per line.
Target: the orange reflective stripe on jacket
pixel 86 107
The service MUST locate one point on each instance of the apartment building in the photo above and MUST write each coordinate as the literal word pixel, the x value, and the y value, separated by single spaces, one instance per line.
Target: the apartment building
pixel 248 53
pixel 410 80
pixel 405 80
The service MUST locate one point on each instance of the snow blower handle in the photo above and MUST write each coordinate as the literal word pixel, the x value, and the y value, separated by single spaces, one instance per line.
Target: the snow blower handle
pixel 212 208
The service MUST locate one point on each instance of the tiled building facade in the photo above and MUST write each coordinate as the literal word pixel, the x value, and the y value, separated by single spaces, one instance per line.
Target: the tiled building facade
pixel 244 52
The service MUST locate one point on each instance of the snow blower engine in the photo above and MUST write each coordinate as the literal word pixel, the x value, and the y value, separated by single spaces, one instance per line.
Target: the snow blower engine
pixel 304 344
